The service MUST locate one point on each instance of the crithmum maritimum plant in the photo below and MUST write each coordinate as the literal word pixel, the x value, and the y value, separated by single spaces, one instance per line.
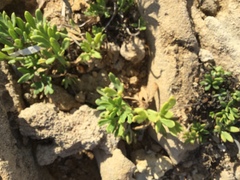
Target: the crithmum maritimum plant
pixel 123 120
pixel 36 49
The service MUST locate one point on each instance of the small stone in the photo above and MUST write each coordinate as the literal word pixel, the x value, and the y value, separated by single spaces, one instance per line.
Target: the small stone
pixel 133 51
pixel 94 74
pixel 222 147
pixel 133 80
pixel 226 175
pixel 116 167
pixel 113 52
pixel 205 55
pixel 62 99
pixel 152 166
pixel 210 7
pixel 80 97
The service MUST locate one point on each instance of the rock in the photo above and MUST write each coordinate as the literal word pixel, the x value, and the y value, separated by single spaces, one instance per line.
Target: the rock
pixel 133 80
pixel 226 175
pixel 62 99
pixel 113 52
pixel 4 3
pixel 174 56
pixel 237 172
pixel 175 147
pixel 13 88
pixel 116 166
pixel 79 5
pixel 68 133
pixel 80 97
pixel 221 34
pixel 88 85
pixel 205 55
pixel 150 166
pixel 16 160
pixel 210 7
pixel 174 63
pixel 133 51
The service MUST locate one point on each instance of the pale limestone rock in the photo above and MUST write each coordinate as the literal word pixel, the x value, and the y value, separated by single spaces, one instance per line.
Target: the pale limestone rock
pixel 150 165
pixel 70 133
pixel 205 55
pixel 221 34
pixel 175 147
pixel 226 175
pixel 16 160
pixel 116 167
pixel 174 62
pixel 133 50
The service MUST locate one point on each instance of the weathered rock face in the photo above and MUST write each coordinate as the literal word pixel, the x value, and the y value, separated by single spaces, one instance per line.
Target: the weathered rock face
pixel 181 35
pixel 70 133
pixel 175 49
pixel 220 34
pixel 16 161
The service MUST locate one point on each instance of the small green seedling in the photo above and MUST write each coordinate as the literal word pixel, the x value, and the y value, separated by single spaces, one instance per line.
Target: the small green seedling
pixel 101 8
pixel 35 47
pixel 120 118
pixel 214 79
pixel 163 120
pixel 117 114
pixel 196 133
pixel 98 8
pixel 91 46
pixel 225 122
pixel 140 25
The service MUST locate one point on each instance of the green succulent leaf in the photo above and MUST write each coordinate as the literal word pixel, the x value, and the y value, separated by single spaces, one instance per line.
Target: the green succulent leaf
pixel 153 116
pixel 12 33
pixel 50 60
pixel 234 129
pixel 160 128
pixel 96 54
pixel 3 56
pixel 20 23
pixel 225 136
pixel 13 19
pixel 89 37
pixel 167 106
pixel 40 40
pixel 167 122
pixel 39 15
pixel 38 87
pixel 48 89
pixel 65 43
pixel 29 18
pixel 25 78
